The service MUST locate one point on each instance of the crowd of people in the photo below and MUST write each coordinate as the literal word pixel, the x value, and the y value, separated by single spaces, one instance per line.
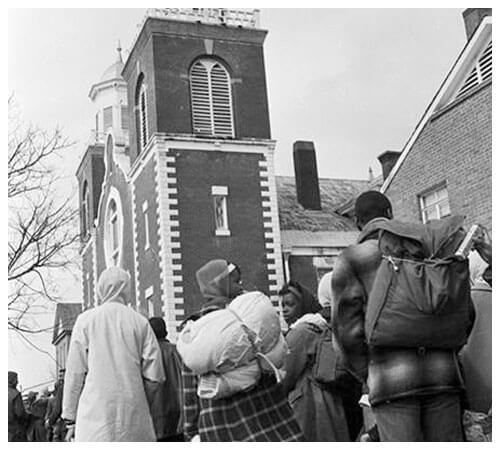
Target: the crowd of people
pixel 235 375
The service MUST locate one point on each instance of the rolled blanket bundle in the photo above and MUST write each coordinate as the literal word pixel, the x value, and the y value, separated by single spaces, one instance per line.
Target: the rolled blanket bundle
pixel 229 348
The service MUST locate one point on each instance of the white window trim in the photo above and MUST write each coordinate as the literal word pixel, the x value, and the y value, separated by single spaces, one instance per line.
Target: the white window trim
pixel 424 208
pixel 147 242
pixel 221 191
pixel 109 252
pixel 148 294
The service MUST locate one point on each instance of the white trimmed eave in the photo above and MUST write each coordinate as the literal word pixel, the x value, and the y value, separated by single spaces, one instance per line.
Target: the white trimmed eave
pixel 447 89
pixel 190 142
pixel 97 87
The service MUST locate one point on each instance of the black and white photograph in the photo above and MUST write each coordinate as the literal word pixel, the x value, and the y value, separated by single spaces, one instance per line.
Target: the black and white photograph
pixel 249 224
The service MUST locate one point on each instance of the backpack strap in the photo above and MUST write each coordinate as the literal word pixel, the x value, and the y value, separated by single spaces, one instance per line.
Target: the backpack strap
pixel 258 354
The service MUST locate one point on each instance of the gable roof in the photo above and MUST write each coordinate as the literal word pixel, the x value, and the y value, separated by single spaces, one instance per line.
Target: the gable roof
pixel 449 89
pixel 66 314
pixel 333 193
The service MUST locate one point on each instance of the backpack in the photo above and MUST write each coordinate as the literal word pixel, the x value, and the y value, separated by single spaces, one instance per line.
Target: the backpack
pixel 328 369
pixel 421 292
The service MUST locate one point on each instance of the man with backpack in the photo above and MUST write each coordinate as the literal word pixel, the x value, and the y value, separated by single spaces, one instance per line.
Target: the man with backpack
pixel 399 336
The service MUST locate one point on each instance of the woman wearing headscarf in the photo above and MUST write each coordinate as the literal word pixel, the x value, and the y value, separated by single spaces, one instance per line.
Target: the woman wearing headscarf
pixel 318 409
pixel 113 358
pixel 260 413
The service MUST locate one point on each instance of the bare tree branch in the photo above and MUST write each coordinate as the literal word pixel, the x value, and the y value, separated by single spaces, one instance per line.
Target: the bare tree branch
pixel 43 229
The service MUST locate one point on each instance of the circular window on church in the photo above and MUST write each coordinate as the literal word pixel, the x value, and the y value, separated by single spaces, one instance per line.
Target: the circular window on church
pixel 113 230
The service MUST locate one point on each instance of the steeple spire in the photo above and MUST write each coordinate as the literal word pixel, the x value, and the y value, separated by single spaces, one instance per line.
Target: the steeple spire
pixel 119 50
pixel 370 173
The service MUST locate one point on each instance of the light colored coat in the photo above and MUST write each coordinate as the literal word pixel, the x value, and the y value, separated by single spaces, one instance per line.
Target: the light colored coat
pixel 112 351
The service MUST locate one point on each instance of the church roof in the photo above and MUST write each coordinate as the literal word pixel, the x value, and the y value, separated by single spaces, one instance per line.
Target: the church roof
pixel 333 192
pixel 114 70
pixel 66 314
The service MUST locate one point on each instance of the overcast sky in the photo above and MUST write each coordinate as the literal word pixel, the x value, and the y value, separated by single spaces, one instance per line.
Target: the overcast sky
pixel 354 81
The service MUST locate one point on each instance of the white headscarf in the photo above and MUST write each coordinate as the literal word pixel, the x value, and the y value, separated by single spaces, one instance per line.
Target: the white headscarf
pixel 114 285
pixel 325 296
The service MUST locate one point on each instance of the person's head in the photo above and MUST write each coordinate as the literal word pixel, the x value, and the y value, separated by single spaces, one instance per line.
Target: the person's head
pixel 114 285
pixel 219 279
pixel 12 379
pixel 371 205
pixel 296 300
pixel 159 327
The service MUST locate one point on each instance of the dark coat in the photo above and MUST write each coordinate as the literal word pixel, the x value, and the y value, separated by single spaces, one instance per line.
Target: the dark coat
pixel 166 403
pixel 352 279
pixel 17 416
pixel 318 410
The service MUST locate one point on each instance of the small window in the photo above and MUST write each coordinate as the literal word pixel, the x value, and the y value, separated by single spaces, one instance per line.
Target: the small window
pixel 434 204
pixel 114 232
pixel 149 294
pixel 143 123
pixel 219 194
pixel 107 118
pixel 146 225
pixel 85 210
pixel 124 117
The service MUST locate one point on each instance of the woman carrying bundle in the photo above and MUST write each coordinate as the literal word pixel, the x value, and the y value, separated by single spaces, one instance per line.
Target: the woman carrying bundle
pixel 318 408
pixel 259 412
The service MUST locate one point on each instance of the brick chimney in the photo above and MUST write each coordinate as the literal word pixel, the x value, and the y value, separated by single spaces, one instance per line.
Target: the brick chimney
pixel 306 175
pixel 387 160
pixel 473 18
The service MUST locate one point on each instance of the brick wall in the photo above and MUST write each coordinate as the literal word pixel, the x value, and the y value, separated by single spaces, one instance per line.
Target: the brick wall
pixel 148 260
pixel 454 147
pixel 166 50
pixel 196 173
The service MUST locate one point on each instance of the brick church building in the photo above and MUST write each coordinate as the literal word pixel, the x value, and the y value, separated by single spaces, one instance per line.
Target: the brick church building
pixel 180 170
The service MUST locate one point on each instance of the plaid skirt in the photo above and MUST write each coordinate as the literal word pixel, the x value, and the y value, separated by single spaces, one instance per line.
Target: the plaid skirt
pixel 262 414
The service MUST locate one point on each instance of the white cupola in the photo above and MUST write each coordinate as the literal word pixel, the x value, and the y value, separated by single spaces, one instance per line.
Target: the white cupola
pixel 109 97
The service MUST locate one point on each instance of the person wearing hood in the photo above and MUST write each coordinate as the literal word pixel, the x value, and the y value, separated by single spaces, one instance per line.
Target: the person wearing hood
pixel 17 413
pixel 114 362
pixel 318 409
pixel 261 413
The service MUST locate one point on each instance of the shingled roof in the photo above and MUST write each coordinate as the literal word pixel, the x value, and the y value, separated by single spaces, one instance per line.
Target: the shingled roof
pixel 334 193
pixel 66 314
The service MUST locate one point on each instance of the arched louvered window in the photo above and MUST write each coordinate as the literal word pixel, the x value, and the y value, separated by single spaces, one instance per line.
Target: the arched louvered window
pixel 211 100
pixel 141 116
pixel 481 72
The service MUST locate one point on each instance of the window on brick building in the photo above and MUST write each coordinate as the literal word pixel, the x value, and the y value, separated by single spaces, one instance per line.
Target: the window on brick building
pixel 107 117
pixel 481 71
pixel 124 117
pixel 434 204
pixel 146 225
pixel 149 294
pixel 211 99
pixel 141 115
pixel 113 230
pixel 85 210
pixel 219 195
